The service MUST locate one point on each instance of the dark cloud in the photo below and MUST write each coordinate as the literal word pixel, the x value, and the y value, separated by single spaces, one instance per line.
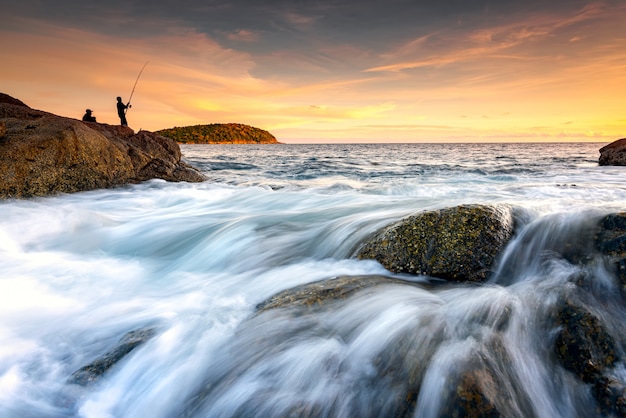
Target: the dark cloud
pixel 307 30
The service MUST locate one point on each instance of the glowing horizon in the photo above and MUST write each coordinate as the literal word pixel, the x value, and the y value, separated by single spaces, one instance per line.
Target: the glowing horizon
pixel 540 75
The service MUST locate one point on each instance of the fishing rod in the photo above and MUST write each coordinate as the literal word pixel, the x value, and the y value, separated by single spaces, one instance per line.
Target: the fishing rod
pixel 135 85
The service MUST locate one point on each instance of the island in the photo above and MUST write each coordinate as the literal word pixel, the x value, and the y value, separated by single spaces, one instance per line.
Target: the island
pixel 219 133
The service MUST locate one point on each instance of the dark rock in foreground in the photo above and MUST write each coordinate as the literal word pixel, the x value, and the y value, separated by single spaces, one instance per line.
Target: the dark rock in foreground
pixel 614 153
pixel 582 344
pixel 610 240
pixel 481 386
pixel 43 154
pixel 90 373
pixel 611 396
pixel 459 243
pixel 586 343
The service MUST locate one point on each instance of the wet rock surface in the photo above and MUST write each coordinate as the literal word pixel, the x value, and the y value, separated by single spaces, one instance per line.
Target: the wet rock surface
pixel 583 345
pixel 459 243
pixel 42 154
pixel 90 373
pixel 610 240
pixel 611 396
pixel 317 294
pixel 586 343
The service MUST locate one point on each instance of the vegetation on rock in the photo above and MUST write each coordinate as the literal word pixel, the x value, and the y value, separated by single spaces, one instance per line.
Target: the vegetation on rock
pixel 219 133
pixel 581 343
pixel 458 244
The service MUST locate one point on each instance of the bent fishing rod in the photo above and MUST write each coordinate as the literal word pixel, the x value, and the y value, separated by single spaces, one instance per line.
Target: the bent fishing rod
pixel 135 85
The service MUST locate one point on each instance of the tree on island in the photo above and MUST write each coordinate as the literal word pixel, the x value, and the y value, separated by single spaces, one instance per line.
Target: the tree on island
pixel 219 133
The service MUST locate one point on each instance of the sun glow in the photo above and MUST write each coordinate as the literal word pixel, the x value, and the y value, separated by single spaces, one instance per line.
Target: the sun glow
pixel 538 77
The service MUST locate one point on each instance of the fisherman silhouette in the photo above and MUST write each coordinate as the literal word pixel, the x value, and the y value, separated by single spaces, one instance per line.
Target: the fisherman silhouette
pixel 121 111
pixel 88 117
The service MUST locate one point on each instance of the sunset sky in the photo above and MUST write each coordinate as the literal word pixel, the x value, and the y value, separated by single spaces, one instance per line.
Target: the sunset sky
pixel 329 70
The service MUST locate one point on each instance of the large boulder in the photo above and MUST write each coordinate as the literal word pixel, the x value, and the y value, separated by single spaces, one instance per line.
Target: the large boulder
pixel 43 154
pixel 459 243
pixel 614 153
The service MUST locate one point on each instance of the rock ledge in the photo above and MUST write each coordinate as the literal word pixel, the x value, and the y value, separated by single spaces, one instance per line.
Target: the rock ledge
pixel 43 154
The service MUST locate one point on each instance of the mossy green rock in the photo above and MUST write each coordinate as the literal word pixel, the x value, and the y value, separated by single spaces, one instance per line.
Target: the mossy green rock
pixel 459 243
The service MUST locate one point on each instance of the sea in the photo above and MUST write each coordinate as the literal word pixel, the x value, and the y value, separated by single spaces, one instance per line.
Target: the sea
pixel 191 261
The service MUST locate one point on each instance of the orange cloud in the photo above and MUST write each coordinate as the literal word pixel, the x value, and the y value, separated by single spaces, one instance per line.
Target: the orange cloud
pixel 529 76
pixel 485 43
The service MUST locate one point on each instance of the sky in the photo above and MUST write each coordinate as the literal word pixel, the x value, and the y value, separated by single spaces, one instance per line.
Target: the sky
pixel 323 71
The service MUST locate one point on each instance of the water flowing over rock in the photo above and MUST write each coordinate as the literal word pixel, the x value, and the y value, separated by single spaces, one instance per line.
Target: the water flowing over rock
pixel 475 390
pixel 451 354
pixel 614 153
pixel 459 243
pixel 90 373
pixel 610 240
pixel 583 344
pixel 317 294
pixel 43 154
pixel 585 347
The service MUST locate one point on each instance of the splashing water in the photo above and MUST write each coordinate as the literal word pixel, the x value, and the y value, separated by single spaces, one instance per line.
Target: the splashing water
pixel 192 261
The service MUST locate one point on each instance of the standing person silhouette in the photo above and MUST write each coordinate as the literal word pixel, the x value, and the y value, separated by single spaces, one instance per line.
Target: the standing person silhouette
pixel 121 111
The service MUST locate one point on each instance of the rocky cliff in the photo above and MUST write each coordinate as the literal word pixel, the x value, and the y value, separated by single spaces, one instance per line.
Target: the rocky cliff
pixel 614 153
pixel 43 154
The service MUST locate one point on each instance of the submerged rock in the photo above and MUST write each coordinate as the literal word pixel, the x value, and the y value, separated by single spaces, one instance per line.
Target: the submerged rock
pixel 292 323
pixel 478 386
pixel 610 240
pixel 480 389
pixel 43 154
pixel 611 396
pixel 317 294
pixel 614 153
pixel 459 243
pixel 90 373
pixel 583 345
